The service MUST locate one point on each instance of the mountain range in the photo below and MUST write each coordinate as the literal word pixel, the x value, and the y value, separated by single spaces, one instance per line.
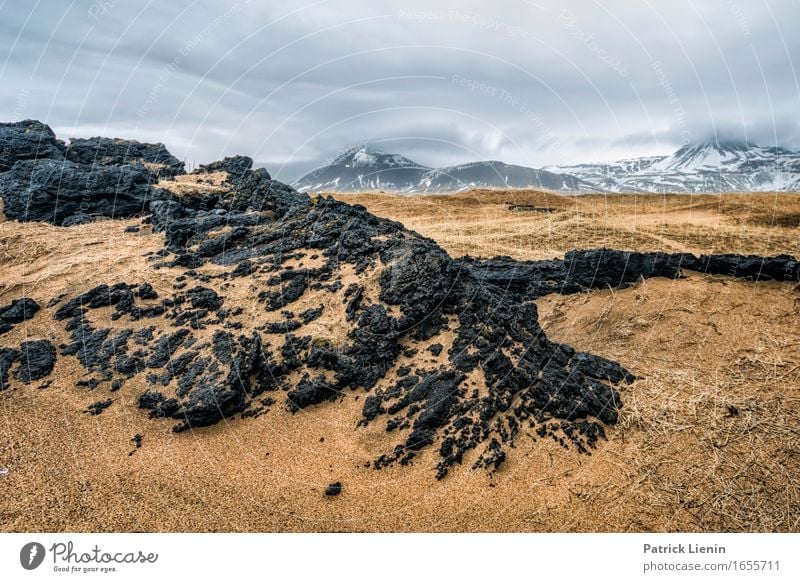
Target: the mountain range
pixel 362 169
pixel 713 166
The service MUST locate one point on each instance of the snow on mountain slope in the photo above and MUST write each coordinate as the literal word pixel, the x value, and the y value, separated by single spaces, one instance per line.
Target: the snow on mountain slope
pixel 359 169
pixel 714 166
pixel 493 174
pixel 604 175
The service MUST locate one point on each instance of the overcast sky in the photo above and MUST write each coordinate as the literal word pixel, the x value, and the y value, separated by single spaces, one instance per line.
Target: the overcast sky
pixel 293 83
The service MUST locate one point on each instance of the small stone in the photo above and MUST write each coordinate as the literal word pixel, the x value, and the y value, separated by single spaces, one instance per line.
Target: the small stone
pixel 333 489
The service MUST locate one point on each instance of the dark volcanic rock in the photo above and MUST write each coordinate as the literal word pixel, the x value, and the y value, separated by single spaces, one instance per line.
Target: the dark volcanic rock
pixel 37 359
pixel 105 151
pixel 52 191
pixel 608 268
pixel 17 311
pixel 159 405
pixel 237 168
pixel 76 219
pixel 8 356
pixel 333 489
pixel 28 140
pixel 753 267
pixel 98 407
pixel 484 303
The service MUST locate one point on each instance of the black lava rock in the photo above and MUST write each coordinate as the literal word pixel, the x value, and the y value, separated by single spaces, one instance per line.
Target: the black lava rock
pixel 104 151
pixel 37 359
pixel 76 219
pixel 17 311
pixel 28 140
pixel 435 349
pixel 237 167
pixel 52 191
pixel 396 292
pixel 753 267
pixel 333 489
pixel 8 356
pixel 98 407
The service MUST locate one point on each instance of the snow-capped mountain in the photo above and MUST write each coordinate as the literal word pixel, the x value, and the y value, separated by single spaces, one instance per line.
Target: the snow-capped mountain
pixel 714 166
pixel 361 169
pixel 358 169
pixel 495 174
pixel 606 175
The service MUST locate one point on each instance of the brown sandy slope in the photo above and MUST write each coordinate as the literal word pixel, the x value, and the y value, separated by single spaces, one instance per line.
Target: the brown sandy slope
pixel 708 438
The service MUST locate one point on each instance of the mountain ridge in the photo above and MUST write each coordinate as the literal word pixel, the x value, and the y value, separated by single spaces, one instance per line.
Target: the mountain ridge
pixel 715 165
pixel 706 167
pixel 359 169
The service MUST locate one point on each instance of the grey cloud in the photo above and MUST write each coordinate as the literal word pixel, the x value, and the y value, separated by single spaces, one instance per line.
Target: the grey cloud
pixel 294 84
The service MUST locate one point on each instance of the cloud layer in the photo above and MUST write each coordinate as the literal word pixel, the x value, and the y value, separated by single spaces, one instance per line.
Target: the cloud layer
pixel 526 82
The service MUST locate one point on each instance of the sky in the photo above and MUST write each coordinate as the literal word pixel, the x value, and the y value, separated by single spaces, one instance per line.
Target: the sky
pixel 292 84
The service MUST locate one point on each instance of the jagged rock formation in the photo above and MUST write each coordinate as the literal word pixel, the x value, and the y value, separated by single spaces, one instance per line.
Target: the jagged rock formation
pixel 58 191
pixel 104 151
pixel 280 299
pixel 237 167
pixel 16 312
pixel 386 295
pixel 36 359
pixel 28 140
pixel 611 269
pixel 44 180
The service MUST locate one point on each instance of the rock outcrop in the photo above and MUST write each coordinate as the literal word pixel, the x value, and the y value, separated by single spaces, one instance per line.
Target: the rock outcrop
pixel 104 151
pixel 28 140
pixel 42 179
pixel 17 311
pixel 237 167
pixel 54 191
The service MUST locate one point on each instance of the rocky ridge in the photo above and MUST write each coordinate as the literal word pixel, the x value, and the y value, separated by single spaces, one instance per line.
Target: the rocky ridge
pixel 281 299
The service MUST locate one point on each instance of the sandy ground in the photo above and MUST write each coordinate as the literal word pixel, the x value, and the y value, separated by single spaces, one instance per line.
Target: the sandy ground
pixel 708 437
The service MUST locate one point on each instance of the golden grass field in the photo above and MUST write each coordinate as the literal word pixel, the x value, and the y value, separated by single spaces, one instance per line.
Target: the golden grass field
pixel 479 222
pixel 708 438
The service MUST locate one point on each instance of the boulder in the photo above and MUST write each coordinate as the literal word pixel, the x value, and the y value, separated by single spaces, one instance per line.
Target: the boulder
pixel 106 151
pixel 37 359
pixel 237 167
pixel 17 311
pixel 53 191
pixel 28 140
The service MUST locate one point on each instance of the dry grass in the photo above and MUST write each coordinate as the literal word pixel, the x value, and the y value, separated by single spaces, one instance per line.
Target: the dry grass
pixel 480 223
pixel 197 185
pixel 708 436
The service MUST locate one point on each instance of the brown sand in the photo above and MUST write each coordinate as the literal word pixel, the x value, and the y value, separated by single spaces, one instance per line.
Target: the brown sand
pixel 708 438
